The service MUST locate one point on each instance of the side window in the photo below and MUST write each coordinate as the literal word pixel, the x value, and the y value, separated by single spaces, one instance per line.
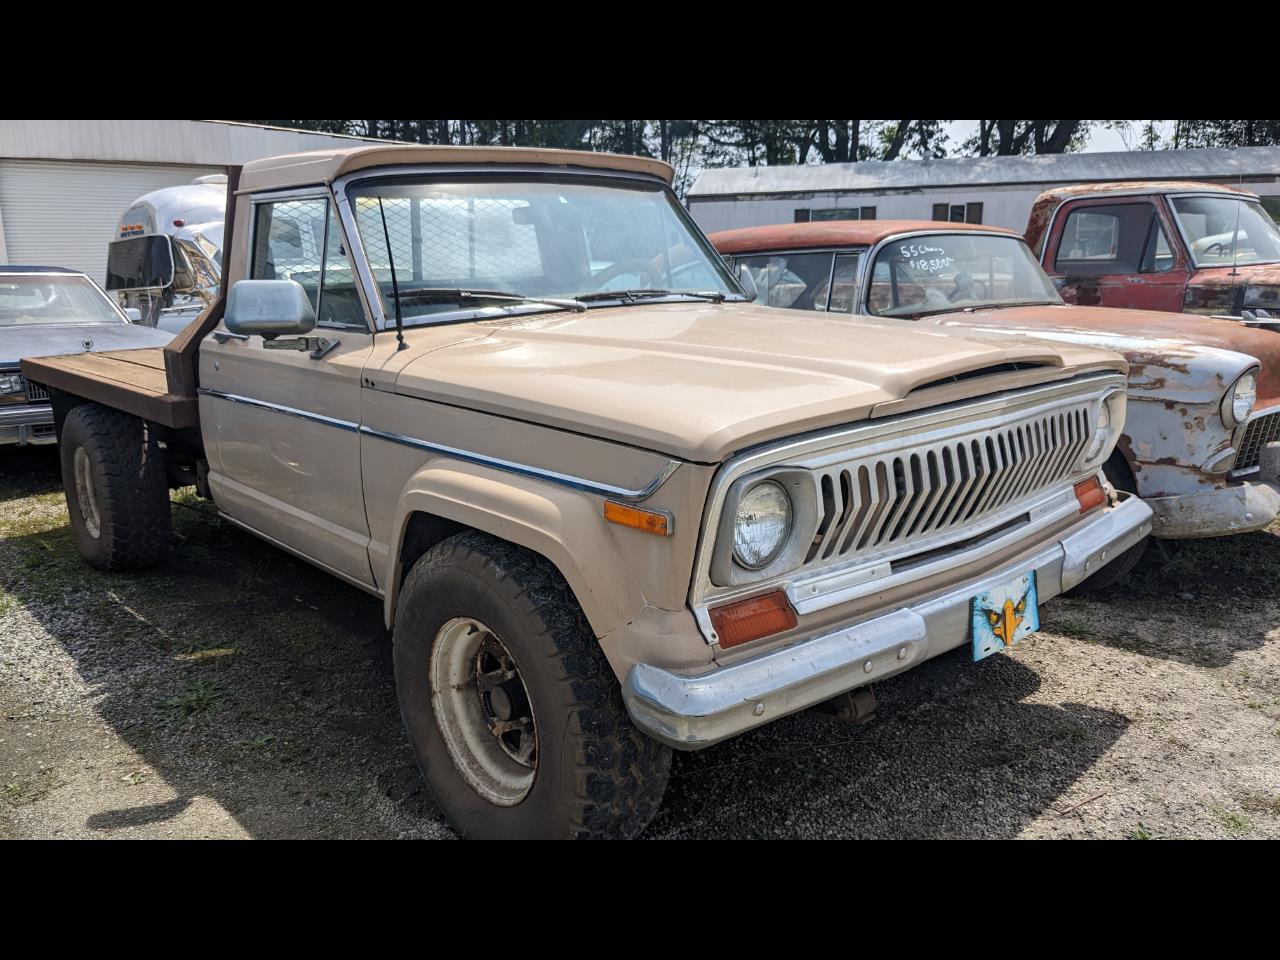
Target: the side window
pixel 796 280
pixel 287 239
pixel 1159 256
pixel 339 301
pixel 301 240
pixel 1104 239
pixel 844 292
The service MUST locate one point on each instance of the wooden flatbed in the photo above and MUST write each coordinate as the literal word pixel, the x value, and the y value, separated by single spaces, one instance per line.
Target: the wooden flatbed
pixel 134 381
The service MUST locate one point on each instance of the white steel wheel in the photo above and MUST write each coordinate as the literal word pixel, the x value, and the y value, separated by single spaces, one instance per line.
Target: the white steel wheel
pixel 87 494
pixel 483 711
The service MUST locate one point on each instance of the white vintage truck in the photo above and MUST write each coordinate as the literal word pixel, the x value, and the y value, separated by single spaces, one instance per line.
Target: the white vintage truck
pixel 610 508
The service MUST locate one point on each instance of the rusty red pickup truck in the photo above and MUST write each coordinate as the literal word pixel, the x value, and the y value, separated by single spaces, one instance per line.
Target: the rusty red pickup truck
pixel 1182 247
pixel 1204 392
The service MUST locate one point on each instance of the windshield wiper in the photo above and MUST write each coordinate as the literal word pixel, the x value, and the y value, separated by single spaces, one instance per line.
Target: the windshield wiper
pixel 715 296
pixel 461 295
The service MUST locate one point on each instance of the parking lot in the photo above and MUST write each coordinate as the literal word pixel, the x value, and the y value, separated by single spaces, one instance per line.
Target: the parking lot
pixel 237 692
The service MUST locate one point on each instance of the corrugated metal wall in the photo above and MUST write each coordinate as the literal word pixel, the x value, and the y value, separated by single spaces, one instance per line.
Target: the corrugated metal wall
pixel 63 214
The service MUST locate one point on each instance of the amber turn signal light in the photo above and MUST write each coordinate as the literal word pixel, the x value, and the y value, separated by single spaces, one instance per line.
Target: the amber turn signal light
pixel 746 620
pixel 650 521
pixel 1089 494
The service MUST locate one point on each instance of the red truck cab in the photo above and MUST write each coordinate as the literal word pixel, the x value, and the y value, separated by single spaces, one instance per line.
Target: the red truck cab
pixel 1181 247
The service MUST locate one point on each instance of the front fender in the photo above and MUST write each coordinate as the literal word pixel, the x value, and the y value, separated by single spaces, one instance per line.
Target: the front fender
pixel 564 525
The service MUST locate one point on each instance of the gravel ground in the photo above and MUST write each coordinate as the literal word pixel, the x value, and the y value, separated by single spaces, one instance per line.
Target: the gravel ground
pixel 239 693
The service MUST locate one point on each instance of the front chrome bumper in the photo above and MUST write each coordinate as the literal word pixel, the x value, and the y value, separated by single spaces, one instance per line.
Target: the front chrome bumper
pixel 27 424
pixel 1238 508
pixel 690 711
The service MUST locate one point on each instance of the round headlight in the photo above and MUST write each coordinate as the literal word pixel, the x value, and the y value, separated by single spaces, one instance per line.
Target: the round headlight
pixel 1243 396
pixel 761 525
pixel 1101 433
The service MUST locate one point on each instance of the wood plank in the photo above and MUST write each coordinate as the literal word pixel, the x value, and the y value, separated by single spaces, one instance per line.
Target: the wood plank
pixel 166 409
pixel 131 375
pixel 152 357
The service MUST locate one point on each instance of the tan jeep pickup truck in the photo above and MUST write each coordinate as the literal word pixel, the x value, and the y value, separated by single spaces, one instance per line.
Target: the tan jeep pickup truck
pixel 610 507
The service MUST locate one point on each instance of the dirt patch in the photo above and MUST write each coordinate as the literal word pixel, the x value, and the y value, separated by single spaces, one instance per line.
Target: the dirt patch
pixel 237 692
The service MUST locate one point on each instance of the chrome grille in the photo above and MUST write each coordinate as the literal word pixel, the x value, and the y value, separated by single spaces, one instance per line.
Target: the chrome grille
pixel 35 392
pixel 1260 431
pixel 921 494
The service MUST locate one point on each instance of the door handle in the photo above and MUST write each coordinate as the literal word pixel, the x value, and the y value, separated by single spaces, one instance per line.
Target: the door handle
pixel 1134 280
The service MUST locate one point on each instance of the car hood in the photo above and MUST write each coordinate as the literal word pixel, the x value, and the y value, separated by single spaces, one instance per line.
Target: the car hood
pixel 52 339
pixel 1198 352
pixel 700 381
pixel 1226 289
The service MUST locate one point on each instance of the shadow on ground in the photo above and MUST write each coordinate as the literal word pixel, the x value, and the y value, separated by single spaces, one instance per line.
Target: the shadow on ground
pixel 1198 602
pixel 240 674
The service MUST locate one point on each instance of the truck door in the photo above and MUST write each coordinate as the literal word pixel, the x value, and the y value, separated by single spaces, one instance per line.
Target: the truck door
pixel 1116 253
pixel 281 426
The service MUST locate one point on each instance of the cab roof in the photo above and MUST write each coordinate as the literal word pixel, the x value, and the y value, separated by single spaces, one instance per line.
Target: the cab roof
pixel 834 233
pixel 325 166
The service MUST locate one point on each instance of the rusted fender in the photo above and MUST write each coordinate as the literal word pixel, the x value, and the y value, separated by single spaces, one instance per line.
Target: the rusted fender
pixel 1173 428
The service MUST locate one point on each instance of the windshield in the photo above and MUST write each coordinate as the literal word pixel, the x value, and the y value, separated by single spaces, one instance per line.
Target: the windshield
pixel 536 237
pixel 941 272
pixel 49 298
pixel 1209 224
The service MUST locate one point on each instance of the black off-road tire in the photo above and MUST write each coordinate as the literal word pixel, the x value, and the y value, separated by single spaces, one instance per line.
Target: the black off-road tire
pixel 597 776
pixel 130 488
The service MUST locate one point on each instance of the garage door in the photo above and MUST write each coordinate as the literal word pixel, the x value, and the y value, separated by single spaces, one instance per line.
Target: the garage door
pixel 63 214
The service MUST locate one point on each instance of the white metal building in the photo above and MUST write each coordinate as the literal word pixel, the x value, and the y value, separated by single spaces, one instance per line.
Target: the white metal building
pixel 993 190
pixel 65 183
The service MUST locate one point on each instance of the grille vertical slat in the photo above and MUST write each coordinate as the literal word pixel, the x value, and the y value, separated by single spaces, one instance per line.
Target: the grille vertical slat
pixel 1262 429
pixel 892 499
pixel 34 391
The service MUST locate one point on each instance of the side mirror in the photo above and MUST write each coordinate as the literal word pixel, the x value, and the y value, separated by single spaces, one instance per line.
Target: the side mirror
pixel 269 308
pixel 134 314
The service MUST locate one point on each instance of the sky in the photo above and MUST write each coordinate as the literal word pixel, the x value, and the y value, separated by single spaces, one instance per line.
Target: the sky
pixel 1099 140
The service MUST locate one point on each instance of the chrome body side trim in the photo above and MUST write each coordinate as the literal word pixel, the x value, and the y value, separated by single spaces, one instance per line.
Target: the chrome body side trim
pixel 507 466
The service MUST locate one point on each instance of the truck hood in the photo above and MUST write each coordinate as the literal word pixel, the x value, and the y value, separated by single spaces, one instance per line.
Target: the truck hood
pixel 1226 290
pixel 53 339
pixel 700 381
pixel 1172 355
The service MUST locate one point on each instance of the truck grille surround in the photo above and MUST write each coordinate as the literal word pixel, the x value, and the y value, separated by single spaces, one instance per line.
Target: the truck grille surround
pixel 877 503
pixel 888 500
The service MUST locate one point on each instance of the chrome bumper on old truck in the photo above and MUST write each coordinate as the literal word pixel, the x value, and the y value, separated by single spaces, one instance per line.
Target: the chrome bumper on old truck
pixel 29 423
pixel 690 711
pixel 1239 508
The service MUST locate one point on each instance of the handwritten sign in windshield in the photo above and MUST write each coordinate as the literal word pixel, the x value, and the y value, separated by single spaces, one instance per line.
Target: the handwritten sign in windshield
pixel 924 258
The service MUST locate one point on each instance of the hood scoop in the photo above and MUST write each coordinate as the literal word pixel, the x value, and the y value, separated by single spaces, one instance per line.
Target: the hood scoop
pixel 990 371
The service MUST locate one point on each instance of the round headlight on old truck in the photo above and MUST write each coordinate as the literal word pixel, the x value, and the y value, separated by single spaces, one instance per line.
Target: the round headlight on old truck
pixel 1101 434
pixel 1239 401
pixel 761 524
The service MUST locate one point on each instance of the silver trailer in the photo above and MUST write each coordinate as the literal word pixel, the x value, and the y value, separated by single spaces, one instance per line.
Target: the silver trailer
pixel 166 259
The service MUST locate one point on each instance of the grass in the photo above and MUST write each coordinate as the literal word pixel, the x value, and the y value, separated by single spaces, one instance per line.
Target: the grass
pixel 1140 832
pixel 1071 628
pixel 201 696
pixel 1232 821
